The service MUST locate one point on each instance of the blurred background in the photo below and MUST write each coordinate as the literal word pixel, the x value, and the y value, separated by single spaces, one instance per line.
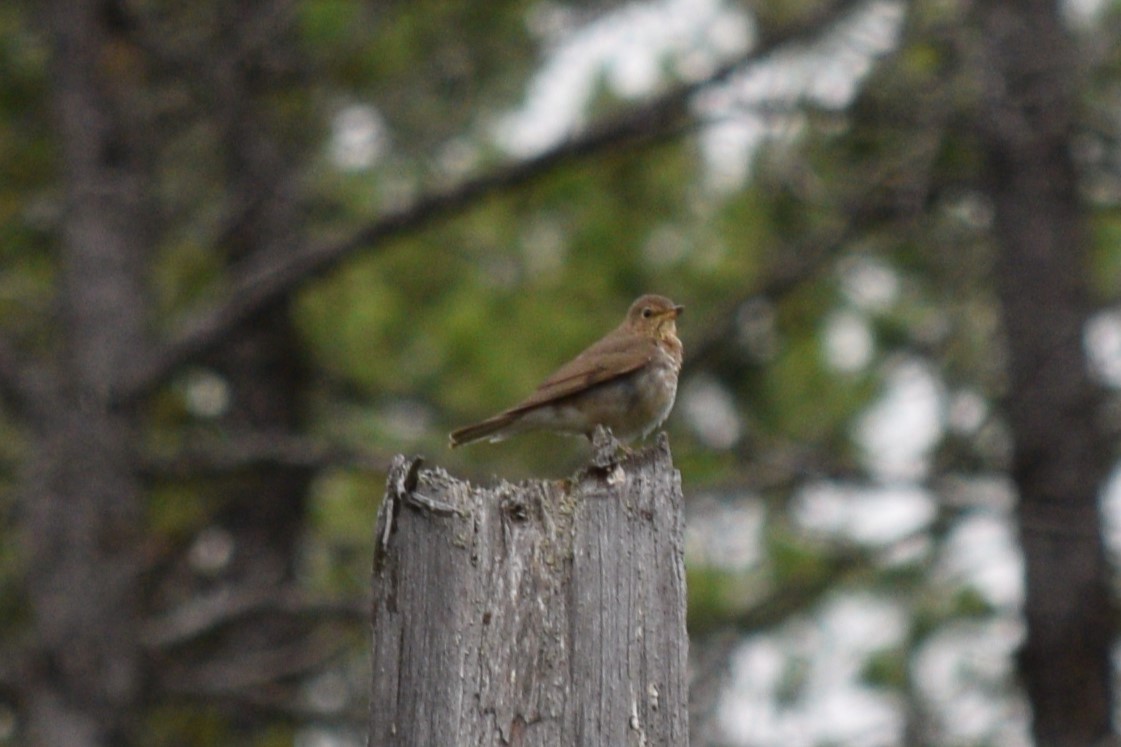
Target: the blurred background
pixel 251 249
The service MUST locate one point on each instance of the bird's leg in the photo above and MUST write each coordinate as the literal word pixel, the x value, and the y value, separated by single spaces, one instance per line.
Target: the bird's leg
pixel 604 447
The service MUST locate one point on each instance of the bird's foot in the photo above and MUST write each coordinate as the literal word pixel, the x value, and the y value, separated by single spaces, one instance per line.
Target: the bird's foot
pixel 605 448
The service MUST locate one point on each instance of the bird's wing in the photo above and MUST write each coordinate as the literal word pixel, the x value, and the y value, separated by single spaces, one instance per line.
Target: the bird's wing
pixel 615 355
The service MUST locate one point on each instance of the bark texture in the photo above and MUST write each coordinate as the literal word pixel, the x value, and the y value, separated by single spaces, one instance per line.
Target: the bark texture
pixel 81 503
pixel 544 613
pixel 1060 460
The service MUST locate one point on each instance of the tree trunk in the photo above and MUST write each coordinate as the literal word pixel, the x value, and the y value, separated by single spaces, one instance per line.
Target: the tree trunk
pixel 544 613
pixel 1060 459
pixel 82 514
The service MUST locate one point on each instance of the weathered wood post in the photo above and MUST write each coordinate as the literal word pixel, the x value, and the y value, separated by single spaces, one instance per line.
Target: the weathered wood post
pixel 543 614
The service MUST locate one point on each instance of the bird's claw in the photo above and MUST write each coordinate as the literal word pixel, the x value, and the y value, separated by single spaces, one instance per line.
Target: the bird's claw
pixel 605 448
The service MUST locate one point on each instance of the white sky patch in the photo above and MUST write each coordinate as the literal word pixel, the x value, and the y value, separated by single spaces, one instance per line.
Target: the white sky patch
pixel 212 550
pixel 711 412
pixel 628 50
pixel 868 515
pixel 826 654
pixel 358 137
pixel 869 284
pixel 206 393
pixel 828 72
pixel 726 536
pixel 1083 12
pixel 728 145
pixel 898 432
pixel 958 670
pixel 982 552
pixel 1102 340
pixel 848 341
pixel 749 107
pixel 1111 513
pixel 631 49
pixel 966 412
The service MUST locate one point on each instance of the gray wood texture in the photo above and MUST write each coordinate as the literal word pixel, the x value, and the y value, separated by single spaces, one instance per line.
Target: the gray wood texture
pixel 548 613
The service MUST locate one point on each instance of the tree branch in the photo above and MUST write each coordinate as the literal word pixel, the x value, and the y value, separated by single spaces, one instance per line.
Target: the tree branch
pixel 264 281
pixel 804 262
pixel 12 673
pixel 206 614
pixel 289 708
pixel 225 455
pixel 11 371
pixel 261 668
pixel 22 382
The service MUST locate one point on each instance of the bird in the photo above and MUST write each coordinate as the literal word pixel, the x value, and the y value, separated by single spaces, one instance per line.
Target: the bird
pixel 626 381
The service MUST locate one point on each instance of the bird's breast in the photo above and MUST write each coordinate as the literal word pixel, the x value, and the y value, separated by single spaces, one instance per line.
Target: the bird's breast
pixel 632 405
pixel 658 385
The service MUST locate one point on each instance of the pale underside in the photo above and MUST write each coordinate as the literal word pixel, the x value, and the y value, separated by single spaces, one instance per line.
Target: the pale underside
pixel 626 381
pixel 631 405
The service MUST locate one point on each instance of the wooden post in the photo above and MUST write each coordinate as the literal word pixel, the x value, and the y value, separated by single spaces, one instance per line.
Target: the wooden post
pixel 543 614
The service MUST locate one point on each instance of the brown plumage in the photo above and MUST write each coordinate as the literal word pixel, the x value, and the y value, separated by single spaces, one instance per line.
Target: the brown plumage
pixel 626 381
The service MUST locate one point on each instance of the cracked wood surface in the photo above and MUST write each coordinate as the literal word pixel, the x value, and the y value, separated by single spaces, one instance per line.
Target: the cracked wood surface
pixel 543 613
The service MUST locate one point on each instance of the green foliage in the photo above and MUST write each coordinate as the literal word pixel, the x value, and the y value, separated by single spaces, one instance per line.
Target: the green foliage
pixel 174 727
pixel 718 597
pixel 429 84
pixel 411 337
pixel 176 511
pixel 1106 270
pixel 28 195
pixel 341 517
pixel 887 669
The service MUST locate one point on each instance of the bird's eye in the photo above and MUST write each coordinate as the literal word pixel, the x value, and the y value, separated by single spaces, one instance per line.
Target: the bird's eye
pixel 647 312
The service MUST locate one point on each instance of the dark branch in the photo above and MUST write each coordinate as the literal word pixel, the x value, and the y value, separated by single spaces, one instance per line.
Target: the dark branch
pixel 12 674
pixel 265 281
pixel 803 263
pixel 261 450
pixel 287 707
pixel 846 567
pixel 22 382
pixel 205 615
pixel 268 280
pixel 264 668
pixel 11 370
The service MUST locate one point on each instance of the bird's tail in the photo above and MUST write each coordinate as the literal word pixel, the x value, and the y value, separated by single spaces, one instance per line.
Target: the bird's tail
pixel 491 427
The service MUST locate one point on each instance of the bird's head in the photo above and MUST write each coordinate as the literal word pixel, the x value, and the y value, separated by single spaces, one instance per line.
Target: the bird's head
pixel 654 316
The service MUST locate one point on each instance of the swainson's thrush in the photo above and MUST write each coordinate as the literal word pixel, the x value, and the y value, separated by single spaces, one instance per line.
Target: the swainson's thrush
pixel 627 381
